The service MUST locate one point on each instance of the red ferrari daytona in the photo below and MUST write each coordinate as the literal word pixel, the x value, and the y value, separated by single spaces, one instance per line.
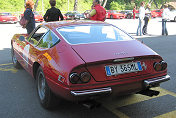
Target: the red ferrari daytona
pixel 83 60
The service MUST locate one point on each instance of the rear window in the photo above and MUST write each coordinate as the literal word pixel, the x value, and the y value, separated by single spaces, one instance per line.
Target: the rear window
pixel 95 33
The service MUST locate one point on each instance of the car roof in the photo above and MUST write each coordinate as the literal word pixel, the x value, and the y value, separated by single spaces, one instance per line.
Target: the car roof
pixel 57 24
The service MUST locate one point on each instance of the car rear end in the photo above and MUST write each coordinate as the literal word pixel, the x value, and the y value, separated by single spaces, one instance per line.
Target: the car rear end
pixel 114 63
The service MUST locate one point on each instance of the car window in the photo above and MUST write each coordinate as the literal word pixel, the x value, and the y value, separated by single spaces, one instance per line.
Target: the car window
pixel 49 40
pixel 92 34
pixel 35 38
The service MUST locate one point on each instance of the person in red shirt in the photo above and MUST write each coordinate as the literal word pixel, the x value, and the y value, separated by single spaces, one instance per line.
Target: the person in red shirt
pixel 98 13
pixel 134 12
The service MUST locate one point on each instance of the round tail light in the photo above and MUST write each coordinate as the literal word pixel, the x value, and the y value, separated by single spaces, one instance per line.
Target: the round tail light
pixel 85 77
pixel 157 66
pixel 164 65
pixel 74 78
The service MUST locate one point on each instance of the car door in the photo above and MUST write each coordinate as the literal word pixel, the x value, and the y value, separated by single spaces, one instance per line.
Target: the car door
pixel 29 51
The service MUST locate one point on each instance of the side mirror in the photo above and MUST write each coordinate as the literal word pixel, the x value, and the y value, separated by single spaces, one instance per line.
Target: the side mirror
pixel 21 38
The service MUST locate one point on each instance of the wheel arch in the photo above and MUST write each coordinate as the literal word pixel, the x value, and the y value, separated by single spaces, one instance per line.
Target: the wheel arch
pixel 36 65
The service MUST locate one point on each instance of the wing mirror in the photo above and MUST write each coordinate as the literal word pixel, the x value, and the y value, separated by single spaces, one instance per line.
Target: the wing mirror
pixel 21 38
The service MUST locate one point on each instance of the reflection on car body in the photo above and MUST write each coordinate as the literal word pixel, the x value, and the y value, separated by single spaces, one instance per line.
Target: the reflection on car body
pixel 84 60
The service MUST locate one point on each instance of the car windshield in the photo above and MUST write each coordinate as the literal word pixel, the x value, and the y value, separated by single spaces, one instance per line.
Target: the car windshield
pixel 95 33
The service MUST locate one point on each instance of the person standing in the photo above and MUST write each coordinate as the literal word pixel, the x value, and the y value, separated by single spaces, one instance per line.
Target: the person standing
pixel 165 17
pixel 141 18
pixel 53 14
pixel 29 16
pixel 98 13
pixel 134 12
pixel 146 19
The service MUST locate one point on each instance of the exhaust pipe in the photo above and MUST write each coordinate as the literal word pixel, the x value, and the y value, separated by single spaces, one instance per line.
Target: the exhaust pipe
pixel 149 92
pixel 91 104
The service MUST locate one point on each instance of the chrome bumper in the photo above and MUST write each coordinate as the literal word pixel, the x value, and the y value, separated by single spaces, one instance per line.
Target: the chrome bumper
pixel 155 81
pixel 92 91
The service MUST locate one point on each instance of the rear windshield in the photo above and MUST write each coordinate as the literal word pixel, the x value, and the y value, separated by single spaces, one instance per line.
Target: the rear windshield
pixel 95 33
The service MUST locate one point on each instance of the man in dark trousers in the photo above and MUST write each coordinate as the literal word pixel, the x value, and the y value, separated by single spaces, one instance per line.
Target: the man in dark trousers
pixel 53 14
pixel 98 13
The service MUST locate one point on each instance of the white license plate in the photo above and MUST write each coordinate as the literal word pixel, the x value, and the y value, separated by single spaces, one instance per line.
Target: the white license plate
pixel 123 68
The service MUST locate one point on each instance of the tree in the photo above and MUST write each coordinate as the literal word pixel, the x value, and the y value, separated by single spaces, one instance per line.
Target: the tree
pixel 35 6
pixel 104 3
pixel 75 5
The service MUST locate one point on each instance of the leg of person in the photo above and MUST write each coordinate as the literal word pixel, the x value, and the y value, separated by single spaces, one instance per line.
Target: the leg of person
pixel 140 28
pixel 144 27
pixel 162 26
pixel 147 20
pixel 166 29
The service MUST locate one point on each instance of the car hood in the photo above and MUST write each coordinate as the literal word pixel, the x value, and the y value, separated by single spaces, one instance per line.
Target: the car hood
pixel 111 50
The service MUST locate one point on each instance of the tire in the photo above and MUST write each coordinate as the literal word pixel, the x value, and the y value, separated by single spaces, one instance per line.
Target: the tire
pixel 47 99
pixel 175 18
pixel 16 64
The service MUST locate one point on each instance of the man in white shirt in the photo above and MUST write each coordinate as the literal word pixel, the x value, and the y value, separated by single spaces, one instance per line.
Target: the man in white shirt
pixel 165 17
pixel 141 18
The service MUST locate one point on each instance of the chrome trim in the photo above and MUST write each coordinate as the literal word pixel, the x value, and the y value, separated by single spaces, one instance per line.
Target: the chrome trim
pixel 156 81
pixel 92 91
pixel 123 59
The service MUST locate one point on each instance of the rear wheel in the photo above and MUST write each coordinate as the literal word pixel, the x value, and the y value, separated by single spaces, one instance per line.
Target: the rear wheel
pixel 46 97
pixel 14 59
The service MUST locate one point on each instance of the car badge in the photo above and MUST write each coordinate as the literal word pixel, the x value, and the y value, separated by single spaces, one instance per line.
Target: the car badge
pixel 120 53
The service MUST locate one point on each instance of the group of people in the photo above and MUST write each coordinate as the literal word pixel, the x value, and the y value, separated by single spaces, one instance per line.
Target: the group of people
pixel 145 14
pixel 97 13
pixel 53 14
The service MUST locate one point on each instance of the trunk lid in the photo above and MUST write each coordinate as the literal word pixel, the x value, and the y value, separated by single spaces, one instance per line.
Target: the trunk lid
pixel 99 55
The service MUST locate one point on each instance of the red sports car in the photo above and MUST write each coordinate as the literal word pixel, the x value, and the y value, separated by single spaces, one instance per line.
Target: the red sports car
pixel 83 60
pixel 38 17
pixel 157 13
pixel 113 14
pixel 8 18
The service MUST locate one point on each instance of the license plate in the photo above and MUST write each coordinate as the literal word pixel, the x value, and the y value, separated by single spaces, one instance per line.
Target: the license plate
pixel 123 68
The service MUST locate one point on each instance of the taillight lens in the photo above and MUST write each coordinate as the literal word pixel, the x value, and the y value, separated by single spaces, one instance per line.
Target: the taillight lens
pixel 83 77
pixel 160 66
pixel 157 66
pixel 164 65
pixel 74 78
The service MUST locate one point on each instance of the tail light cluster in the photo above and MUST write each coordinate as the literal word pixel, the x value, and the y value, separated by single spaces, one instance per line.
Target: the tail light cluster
pixel 83 77
pixel 160 66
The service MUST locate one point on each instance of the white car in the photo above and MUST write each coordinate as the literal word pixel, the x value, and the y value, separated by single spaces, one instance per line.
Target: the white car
pixel 172 15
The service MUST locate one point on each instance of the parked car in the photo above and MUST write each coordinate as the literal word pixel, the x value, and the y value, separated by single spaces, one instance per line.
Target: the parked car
pixel 84 60
pixel 172 16
pixel 156 13
pixel 6 17
pixel 113 14
pixel 38 17
pixel 86 13
pixel 72 15
pixel 128 14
